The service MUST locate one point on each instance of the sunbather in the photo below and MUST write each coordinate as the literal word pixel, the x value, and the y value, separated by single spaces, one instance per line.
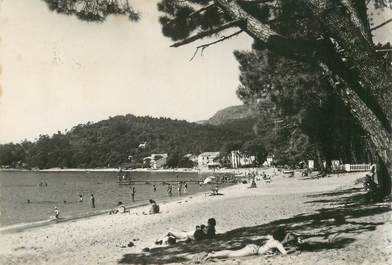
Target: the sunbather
pixel 274 241
pixel 201 232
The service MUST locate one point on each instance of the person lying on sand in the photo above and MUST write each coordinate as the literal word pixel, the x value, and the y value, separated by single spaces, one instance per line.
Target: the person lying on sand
pixel 275 241
pixel 201 232
pixel 250 249
pixel 119 209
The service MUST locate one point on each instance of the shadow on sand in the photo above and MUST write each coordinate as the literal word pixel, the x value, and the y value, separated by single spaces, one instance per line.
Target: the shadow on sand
pixel 341 216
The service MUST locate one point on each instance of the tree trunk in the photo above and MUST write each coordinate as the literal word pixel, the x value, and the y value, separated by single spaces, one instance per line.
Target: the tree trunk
pixel 368 91
pixel 353 159
pixel 319 159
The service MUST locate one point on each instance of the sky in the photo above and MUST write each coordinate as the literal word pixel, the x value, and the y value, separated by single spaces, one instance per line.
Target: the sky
pixel 57 71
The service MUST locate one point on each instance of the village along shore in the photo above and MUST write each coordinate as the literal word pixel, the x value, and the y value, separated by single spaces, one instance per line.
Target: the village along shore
pixel 300 204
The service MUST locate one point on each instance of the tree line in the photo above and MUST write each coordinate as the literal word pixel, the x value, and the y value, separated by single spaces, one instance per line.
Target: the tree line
pixel 115 142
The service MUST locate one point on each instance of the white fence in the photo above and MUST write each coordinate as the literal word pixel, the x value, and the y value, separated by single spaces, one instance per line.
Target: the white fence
pixel 356 167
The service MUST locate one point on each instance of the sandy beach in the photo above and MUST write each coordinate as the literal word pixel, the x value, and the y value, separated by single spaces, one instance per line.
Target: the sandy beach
pixel 299 204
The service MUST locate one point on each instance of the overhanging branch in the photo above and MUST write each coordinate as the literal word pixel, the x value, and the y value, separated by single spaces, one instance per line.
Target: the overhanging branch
pixel 201 10
pixel 381 25
pixel 204 46
pixel 207 33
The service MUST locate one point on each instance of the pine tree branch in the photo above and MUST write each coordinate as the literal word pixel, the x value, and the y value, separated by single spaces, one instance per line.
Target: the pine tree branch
pixel 381 25
pixel 206 33
pixel 204 46
pixel 201 10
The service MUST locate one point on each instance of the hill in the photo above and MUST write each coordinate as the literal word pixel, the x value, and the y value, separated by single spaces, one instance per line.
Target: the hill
pixel 115 141
pixel 231 114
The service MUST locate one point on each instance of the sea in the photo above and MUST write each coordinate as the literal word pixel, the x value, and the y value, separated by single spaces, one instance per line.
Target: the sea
pixel 28 197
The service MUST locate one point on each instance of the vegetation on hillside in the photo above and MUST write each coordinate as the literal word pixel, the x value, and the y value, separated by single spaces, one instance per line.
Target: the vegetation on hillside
pixel 115 142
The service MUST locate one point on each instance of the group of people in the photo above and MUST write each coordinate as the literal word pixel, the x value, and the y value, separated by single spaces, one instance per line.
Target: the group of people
pixel 201 232
pixel 43 184
pixel 181 188
pixel 280 240
pixel 57 211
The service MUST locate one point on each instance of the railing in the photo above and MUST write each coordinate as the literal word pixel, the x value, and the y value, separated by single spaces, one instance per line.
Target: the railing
pixel 356 167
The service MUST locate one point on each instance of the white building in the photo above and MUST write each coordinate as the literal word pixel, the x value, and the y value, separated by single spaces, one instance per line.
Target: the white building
pixel 192 158
pixel 208 159
pixel 269 161
pixel 156 161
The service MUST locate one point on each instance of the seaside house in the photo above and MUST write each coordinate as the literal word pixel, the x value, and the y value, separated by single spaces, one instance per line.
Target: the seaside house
pixel 192 157
pixel 269 161
pixel 208 160
pixel 155 161
pixel 239 159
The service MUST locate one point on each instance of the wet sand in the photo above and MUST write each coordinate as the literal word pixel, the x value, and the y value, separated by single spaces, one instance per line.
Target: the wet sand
pixel 329 206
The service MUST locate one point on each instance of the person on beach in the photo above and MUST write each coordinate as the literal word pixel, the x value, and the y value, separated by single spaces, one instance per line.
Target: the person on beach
pixel 210 229
pixel 274 241
pixel 253 184
pixel 120 209
pixel 133 193
pixel 154 207
pixel 170 190
pixel 80 198
pixel 201 232
pixel 215 190
pixel 179 188
pixel 92 199
pixel 56 213
pixel 185 187
pixel 173 236
pixel 154 188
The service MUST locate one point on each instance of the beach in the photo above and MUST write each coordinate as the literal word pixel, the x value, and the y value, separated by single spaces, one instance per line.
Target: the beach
pixel 302 205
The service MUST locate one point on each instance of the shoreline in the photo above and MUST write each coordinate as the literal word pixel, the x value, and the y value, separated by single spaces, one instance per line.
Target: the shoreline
pixel 20 227
pixel 115 170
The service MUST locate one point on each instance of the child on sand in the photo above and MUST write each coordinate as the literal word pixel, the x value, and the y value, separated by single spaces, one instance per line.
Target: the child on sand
pixel 154 207
pixel 56 213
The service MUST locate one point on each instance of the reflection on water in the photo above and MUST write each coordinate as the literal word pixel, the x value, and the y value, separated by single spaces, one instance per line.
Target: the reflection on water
pixel 24 200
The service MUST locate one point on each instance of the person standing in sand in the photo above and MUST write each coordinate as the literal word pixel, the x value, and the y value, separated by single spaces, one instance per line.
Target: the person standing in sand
pixel 133 193
pixel 56 213
pixel 80 198
pixel 92 198
pixel 179 188
pixel 169 190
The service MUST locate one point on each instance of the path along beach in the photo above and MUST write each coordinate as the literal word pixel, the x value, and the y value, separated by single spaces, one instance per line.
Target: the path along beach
pixel 329 206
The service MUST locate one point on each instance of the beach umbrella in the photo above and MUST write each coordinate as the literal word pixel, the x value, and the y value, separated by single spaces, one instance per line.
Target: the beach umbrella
pixel 208 179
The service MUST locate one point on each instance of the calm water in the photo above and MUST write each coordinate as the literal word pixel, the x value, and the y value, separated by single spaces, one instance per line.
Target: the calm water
pixel 18 187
